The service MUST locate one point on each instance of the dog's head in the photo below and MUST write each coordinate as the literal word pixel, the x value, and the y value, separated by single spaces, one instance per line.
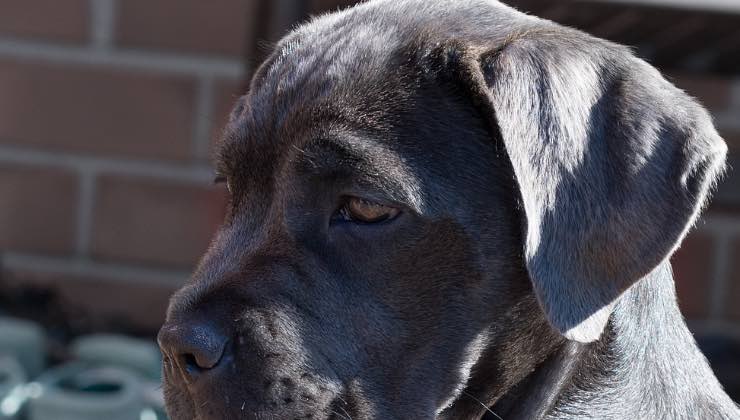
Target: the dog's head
pixel 428 196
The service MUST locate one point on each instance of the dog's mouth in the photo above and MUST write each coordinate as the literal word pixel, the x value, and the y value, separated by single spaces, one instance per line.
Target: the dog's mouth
pixel 230 396
pixel 189 408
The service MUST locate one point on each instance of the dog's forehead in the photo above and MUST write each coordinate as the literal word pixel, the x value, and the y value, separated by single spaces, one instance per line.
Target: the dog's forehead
pixel 333 50
pixel 353 58
pixel 320 83
pixel 331 68
pixel 354 71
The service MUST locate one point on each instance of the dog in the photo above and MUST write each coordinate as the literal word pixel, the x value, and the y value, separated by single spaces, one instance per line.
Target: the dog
pixel 448 210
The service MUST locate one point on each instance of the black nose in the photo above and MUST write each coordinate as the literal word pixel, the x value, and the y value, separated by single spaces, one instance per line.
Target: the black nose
pixel 194 348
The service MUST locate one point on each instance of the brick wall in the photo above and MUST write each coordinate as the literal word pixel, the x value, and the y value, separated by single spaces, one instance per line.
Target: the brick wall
pixel 108 109
pixel 707 266
pixel 107 114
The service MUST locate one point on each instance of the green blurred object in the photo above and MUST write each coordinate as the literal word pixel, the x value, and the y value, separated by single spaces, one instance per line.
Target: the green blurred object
pixel 141 356
pixel 25 341
pixel 12 382
pixel 154 400
pixel 78 391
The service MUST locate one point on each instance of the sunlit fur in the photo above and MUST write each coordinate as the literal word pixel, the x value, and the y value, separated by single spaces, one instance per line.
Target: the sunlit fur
pixel 544 177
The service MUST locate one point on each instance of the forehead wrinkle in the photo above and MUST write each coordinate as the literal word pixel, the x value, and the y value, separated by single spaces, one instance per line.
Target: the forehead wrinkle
pixel 348 48
pixel 365 160
pixel 288 77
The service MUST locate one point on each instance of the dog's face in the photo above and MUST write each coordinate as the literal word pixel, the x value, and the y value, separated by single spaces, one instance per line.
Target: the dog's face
pixel 397 237
pixel 365 254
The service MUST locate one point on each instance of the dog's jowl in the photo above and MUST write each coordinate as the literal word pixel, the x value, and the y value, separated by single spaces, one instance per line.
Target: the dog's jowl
pixel 443 209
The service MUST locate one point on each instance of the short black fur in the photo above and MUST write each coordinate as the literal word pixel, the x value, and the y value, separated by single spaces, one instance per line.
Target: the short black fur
pixel 544 177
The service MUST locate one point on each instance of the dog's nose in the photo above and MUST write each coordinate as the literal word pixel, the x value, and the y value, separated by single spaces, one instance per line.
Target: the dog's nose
pixel 194 348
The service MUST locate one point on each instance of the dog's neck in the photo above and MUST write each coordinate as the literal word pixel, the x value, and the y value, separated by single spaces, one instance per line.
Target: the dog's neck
pixel 646 365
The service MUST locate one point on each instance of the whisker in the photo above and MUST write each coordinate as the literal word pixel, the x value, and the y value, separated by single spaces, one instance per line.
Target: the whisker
pixel 342 408
pixel 345 412
pixel 483 405
pixel 339 414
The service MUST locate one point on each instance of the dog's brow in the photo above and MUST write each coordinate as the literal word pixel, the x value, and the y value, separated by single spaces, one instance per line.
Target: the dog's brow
pixel 326 156
pixel 365 161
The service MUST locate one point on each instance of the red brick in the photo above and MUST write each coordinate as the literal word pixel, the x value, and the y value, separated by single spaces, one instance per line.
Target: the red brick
pixel 96 111
pixel 38 210
pixel 317 6
pixel 95 302
pixel 732 138
pixel 692 269
pixel 713 92
pixel 210 27
pixel 65 21
pixel 732 302
pixel 726 198
pixel 225 96
pixel 154 221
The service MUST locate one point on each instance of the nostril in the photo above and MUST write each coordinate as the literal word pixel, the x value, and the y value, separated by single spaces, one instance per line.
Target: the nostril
pixel 194 347
pixel 202 358
pixel 191 364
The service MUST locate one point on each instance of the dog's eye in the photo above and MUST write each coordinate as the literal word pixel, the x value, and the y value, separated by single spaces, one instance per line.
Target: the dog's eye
pixel 365 211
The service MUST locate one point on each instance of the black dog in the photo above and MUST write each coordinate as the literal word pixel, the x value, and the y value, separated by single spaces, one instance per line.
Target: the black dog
pixel 442 209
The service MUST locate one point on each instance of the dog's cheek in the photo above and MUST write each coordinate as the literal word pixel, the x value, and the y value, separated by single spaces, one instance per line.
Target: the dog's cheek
pixel 179 405
pixel 432 273
pixel 433 285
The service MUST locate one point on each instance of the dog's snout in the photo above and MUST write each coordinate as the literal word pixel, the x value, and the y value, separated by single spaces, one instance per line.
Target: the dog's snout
pixel 194 348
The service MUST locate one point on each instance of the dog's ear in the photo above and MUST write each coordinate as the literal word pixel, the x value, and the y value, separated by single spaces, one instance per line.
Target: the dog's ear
pixel 612 161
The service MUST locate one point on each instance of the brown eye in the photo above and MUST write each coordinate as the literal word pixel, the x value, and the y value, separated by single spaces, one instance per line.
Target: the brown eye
pixel 360 210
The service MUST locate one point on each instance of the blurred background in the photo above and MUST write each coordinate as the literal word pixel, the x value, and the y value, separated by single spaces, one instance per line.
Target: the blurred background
pixel 109 110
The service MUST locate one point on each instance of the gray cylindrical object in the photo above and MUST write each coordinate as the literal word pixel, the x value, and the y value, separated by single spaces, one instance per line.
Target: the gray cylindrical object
pixel 12 395
pixel 154 400
pixel 79 392
pixel 141 356
pixel 24 341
